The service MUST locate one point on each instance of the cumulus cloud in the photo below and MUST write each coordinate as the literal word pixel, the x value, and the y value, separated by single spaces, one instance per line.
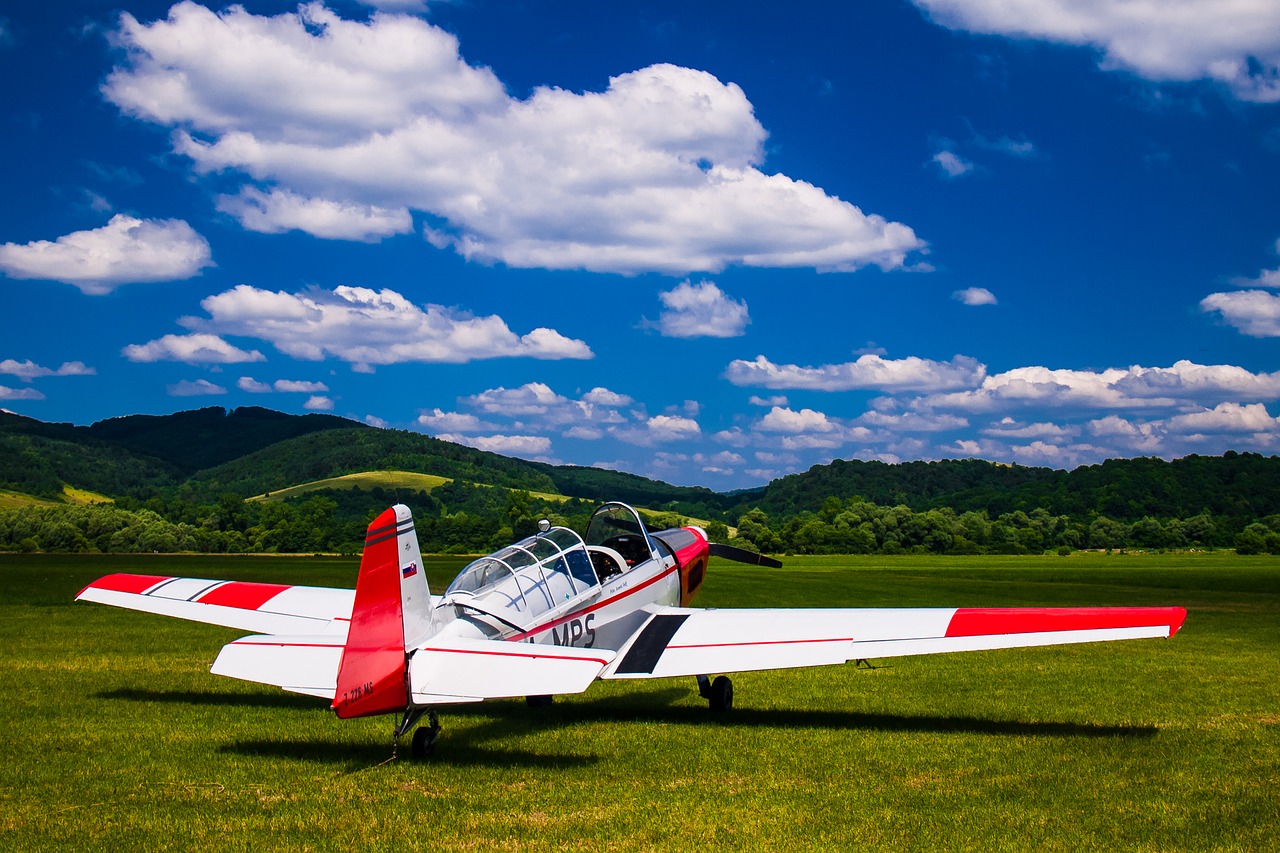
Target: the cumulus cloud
pixel 198 388
pixel 1134 387
pixel 28 370
pixel 375 421
pixel 1255 313
pixel 318 403
pixel 439 421
pixel 369 327
pixel 1236 44
pixel 342 127
pixel 283 386
pixel 198 348
pixel 701 310
pixel 524 446
pixel 659 429
pixel 7 393
pixel 975 296
pixel 868 372
pixel 124 250
pixel 280 210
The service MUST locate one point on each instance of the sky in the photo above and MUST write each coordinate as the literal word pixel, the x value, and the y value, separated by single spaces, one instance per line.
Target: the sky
pixel 711 243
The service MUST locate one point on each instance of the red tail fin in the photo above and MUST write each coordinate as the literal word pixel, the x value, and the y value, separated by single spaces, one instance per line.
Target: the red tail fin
pixel 372 676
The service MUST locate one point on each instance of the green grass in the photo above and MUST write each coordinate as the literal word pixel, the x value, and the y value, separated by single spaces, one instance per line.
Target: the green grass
pixel 115 735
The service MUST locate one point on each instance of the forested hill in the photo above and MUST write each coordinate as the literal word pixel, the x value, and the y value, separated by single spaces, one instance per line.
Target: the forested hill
pixel 210 452
pixel 206 453
pixel 1237 485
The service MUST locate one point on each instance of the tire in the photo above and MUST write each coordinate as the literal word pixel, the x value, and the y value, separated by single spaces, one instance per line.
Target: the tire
pixel 721 698
pixel 424 742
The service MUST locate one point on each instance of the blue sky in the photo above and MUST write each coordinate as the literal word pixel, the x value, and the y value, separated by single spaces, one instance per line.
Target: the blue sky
pixel 710 243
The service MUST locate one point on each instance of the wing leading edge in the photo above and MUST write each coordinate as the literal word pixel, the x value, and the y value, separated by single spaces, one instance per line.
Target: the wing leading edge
pixel 681 641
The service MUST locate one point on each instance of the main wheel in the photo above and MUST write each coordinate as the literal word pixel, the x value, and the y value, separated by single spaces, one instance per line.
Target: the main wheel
pixel 721 698
pixel 424 742
pixel 539 701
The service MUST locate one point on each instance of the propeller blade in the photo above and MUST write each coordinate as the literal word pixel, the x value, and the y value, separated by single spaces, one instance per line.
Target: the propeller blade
pixel 741 555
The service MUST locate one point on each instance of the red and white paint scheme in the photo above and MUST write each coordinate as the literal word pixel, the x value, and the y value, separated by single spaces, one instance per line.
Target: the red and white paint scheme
pixel 556 611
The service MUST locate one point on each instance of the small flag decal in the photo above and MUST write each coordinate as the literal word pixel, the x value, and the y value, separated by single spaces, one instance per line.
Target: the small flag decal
pixel 409 570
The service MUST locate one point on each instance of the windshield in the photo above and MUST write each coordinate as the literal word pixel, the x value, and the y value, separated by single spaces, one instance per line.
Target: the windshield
pixel 620 527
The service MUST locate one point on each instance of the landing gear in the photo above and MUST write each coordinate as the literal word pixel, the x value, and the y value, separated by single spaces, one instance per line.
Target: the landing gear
pixel 539 701
pixel 718 693
pixel 424 739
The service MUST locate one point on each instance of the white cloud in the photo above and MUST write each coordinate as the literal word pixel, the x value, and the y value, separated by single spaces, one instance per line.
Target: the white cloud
pixel 280 210
pixel 124 250
pixel 193 349
pixel 1225 418
pixel 283 386
pixel 952 164
pixel 1134 387
pixel 375 421
pixel 438 420
pixel 604 397
pixel 1233 43
pixel 975 296
pixel 198 388
pixel 660 428
pixel 7 393
pixel 318 403
pixel 767 402
pixel 868 372
pixel 368 327
pixel 1009 428
pixel 913 421
pixel 344 126
pixel 701 310
pixel 790 421
pixel 299 386
pixel 524 446
pixel 1252 312
pixel 28 370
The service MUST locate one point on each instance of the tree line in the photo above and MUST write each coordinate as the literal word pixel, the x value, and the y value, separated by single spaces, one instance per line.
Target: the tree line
pixel 461 517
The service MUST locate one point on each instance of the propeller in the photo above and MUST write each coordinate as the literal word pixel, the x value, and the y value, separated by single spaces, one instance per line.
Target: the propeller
pixel 742 555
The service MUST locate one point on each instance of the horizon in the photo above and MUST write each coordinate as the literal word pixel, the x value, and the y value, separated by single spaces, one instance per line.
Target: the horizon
pixel 708 246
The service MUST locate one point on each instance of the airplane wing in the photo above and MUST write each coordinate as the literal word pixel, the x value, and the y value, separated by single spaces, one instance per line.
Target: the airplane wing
pixel 681 641
pixel 262 607
pixel 453 669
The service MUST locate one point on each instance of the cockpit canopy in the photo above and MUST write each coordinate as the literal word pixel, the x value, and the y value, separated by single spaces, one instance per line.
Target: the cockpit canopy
pixel 553 559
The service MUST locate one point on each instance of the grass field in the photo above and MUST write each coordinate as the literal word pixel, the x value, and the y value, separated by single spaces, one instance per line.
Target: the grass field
pixel 115 735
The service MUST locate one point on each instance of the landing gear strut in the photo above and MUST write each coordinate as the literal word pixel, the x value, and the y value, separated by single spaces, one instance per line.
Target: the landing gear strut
pixel 718 693
pixel 424 739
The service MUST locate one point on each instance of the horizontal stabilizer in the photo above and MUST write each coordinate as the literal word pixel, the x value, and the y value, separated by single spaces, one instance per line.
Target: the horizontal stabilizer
pixel 453 669
pixel 299 664
pixel 678 641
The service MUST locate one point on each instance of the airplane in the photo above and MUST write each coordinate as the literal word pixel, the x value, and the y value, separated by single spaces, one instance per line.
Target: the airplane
pixel 556 611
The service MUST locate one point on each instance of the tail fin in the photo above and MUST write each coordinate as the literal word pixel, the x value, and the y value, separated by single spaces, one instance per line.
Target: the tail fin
pixel 392 613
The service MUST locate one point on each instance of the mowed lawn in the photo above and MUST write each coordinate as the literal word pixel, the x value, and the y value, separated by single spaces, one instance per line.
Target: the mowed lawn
pixel 115 736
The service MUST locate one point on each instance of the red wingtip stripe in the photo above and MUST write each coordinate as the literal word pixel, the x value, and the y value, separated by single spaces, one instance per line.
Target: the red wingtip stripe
pixel 975 622
pixel 242 594
pixel 122 582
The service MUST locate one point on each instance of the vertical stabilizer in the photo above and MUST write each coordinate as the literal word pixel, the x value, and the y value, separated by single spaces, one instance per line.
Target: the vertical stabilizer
pixel 392 608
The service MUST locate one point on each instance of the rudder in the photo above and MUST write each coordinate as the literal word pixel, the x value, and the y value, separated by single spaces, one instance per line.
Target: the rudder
pixel 392 611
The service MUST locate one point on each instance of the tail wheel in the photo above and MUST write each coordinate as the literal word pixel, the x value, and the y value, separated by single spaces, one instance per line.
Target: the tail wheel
pixel 424 742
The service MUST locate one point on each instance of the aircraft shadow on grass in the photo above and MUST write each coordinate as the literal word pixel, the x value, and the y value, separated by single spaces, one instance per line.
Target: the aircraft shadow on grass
pixel 642 706
pixel 655 707
pixel 211 697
